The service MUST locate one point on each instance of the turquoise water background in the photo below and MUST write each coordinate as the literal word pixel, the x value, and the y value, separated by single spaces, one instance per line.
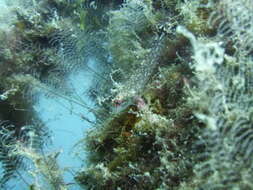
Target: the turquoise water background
pixel 65 123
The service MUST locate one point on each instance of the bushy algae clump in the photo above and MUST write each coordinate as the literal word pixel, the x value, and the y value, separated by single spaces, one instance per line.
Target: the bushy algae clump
pixel 176 130
pixel 146 141
pixel 138 143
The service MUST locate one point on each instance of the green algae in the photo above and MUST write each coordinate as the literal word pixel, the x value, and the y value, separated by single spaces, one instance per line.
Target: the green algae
pixel 147 135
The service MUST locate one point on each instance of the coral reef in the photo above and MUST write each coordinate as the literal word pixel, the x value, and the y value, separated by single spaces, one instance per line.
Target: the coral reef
pixel 173 91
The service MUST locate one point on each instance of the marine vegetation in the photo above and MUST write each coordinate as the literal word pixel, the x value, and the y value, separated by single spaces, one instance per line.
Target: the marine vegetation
pixel 172 93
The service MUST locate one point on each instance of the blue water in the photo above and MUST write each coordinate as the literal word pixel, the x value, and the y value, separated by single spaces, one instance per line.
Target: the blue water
pixel 65 120
pixel 66 124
